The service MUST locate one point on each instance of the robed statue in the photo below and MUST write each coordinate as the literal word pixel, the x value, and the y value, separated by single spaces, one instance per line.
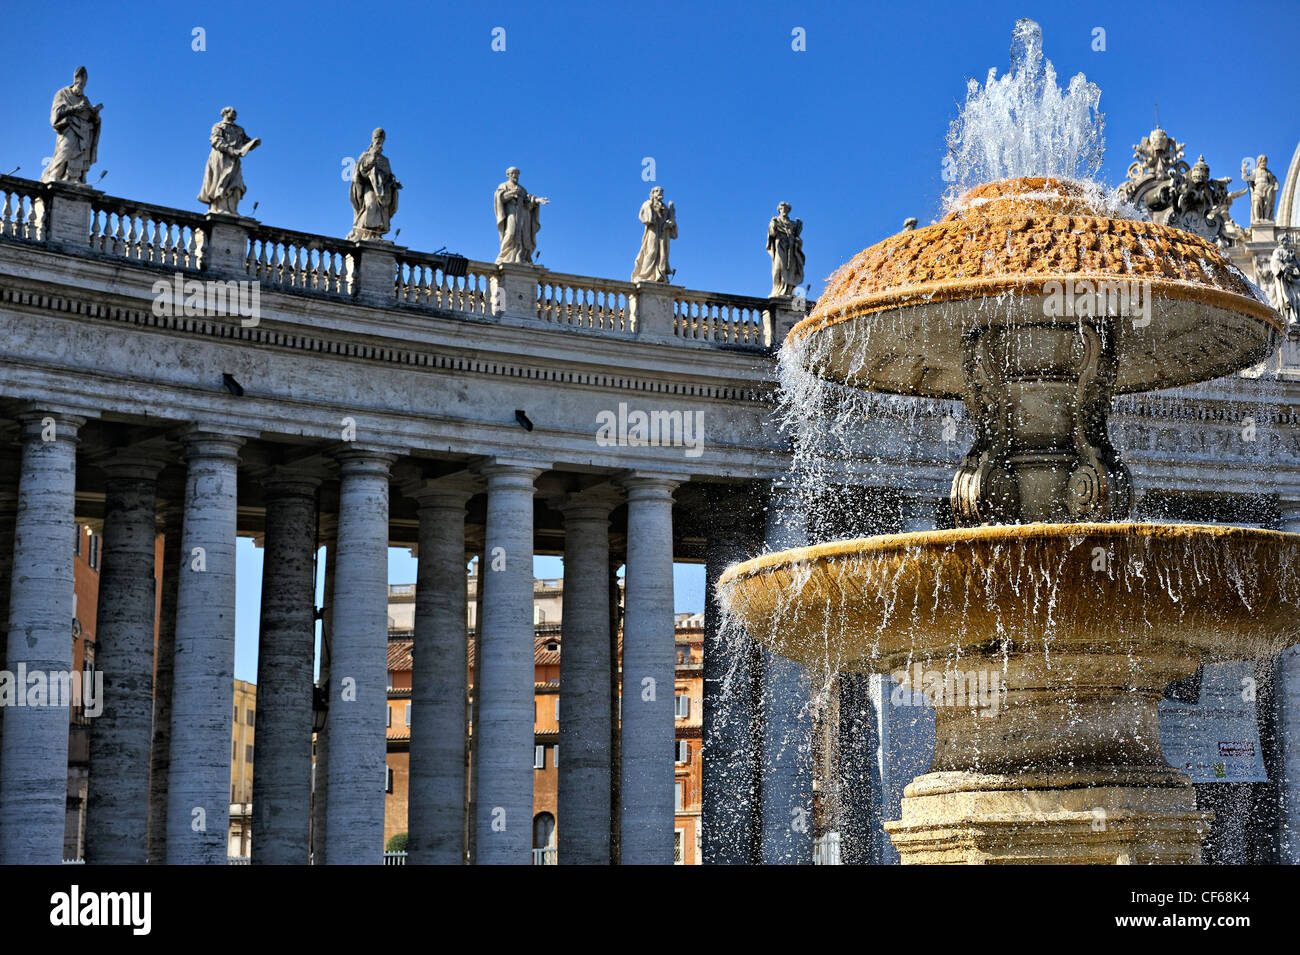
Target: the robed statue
pixel 785 245
pixel 518 219
pixel 1284 290
pixel 373 193
pixel 76 125
pixel 1263 189
pixel 223 177
pixel 660 221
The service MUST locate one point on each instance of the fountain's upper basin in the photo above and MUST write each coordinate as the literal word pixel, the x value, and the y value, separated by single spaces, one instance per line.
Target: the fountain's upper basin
pixel 879 603
pixel 893 319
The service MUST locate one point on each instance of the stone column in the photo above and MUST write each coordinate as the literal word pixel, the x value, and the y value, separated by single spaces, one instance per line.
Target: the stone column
pixel 8 515
pixel 1286 702
pixel 649 671
pixel 888 738
pixel 164 673
pixel 585 723
pixel 785 722
pixel 34 787
pixel 203 689
pixel 285 663
pixel 505 671
pixel 117 809
pixel 732 671
pixel 358 699
pixel 320 794
pixel 440 677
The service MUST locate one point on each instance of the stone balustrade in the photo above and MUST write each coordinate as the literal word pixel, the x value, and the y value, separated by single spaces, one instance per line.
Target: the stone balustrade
pixel 140 232
pixel 298 261
pixel 302 263
pixel 19 213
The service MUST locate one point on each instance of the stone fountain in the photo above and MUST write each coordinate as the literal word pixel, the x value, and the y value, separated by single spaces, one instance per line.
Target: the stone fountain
pixel 1034 301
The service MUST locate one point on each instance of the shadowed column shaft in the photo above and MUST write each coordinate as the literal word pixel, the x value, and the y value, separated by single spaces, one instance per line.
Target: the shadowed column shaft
pixel 34 787
pixel 731 755
pixel 785 724
pixel 505 673
pixel 354 826
pixel 584 785
pixel 160 747
pixel 8 514
pixel 285 658
pixel 203 690
pixel 436 797
pixel 646 793
pixel 117 810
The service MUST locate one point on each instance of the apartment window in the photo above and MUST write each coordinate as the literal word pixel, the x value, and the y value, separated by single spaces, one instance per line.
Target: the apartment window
pixel 677 796
pixel 388 779
pixel 678 858
pixel 248 753
pixel 539 757
pixel 555 756
pixel 408 714
pixel 681 706
pixel 248 717
pixel 389 717
pixel 232 792
pixel 234 754
pixel 683 751
pixel 236 714
pixel 94 552
pixel 78 550
pixel 557 709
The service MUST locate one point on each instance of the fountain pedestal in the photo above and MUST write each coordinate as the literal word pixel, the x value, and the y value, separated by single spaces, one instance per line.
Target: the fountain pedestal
pixel 1058 761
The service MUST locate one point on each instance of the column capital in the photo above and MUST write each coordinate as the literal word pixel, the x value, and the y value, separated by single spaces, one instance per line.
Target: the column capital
pixel 650 485
pixel 139 464
pixel 364 460
pixel 286 481
pixel 511 472
pixel 595 503
pixel 448 492
pixel 209 441
pixel 59 425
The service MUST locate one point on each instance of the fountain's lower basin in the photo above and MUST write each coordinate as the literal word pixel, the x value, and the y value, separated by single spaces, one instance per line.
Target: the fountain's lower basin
pixel 1044 649
pixel 880 603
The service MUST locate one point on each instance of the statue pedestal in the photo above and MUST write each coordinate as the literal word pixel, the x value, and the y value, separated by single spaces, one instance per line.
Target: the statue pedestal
pixel 64 213
pixel 652 311
pixel 372 271
pixel 783 314
pixel 1263 233
pixel 514 290
pixel 223 243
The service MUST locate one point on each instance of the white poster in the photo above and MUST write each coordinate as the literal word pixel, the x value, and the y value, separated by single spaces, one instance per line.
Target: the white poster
pixel 1216 739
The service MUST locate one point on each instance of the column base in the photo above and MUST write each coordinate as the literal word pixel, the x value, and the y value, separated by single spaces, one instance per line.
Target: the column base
pixel 954 818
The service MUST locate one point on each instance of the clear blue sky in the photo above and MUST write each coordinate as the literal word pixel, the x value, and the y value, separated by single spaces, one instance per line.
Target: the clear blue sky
pixel 850 131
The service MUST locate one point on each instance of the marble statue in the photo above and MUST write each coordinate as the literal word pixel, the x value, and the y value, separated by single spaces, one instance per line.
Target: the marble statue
pixel 518 219
pixel 785 245
pixel 373 193
pixel 1195 203
pixel 76 124
pixel 1263 189
pixel 1284 287
pixel 909 223
pixel 660 221
pixel 223 177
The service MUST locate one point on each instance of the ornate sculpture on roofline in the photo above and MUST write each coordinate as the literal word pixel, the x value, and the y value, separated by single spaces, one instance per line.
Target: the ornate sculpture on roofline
pixel 518 219
pixel 660 221
pixel 1263 189
pixel 1177 194
pixel 76 124
pixel 223 177
pixel 785 245
pixel 373 193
